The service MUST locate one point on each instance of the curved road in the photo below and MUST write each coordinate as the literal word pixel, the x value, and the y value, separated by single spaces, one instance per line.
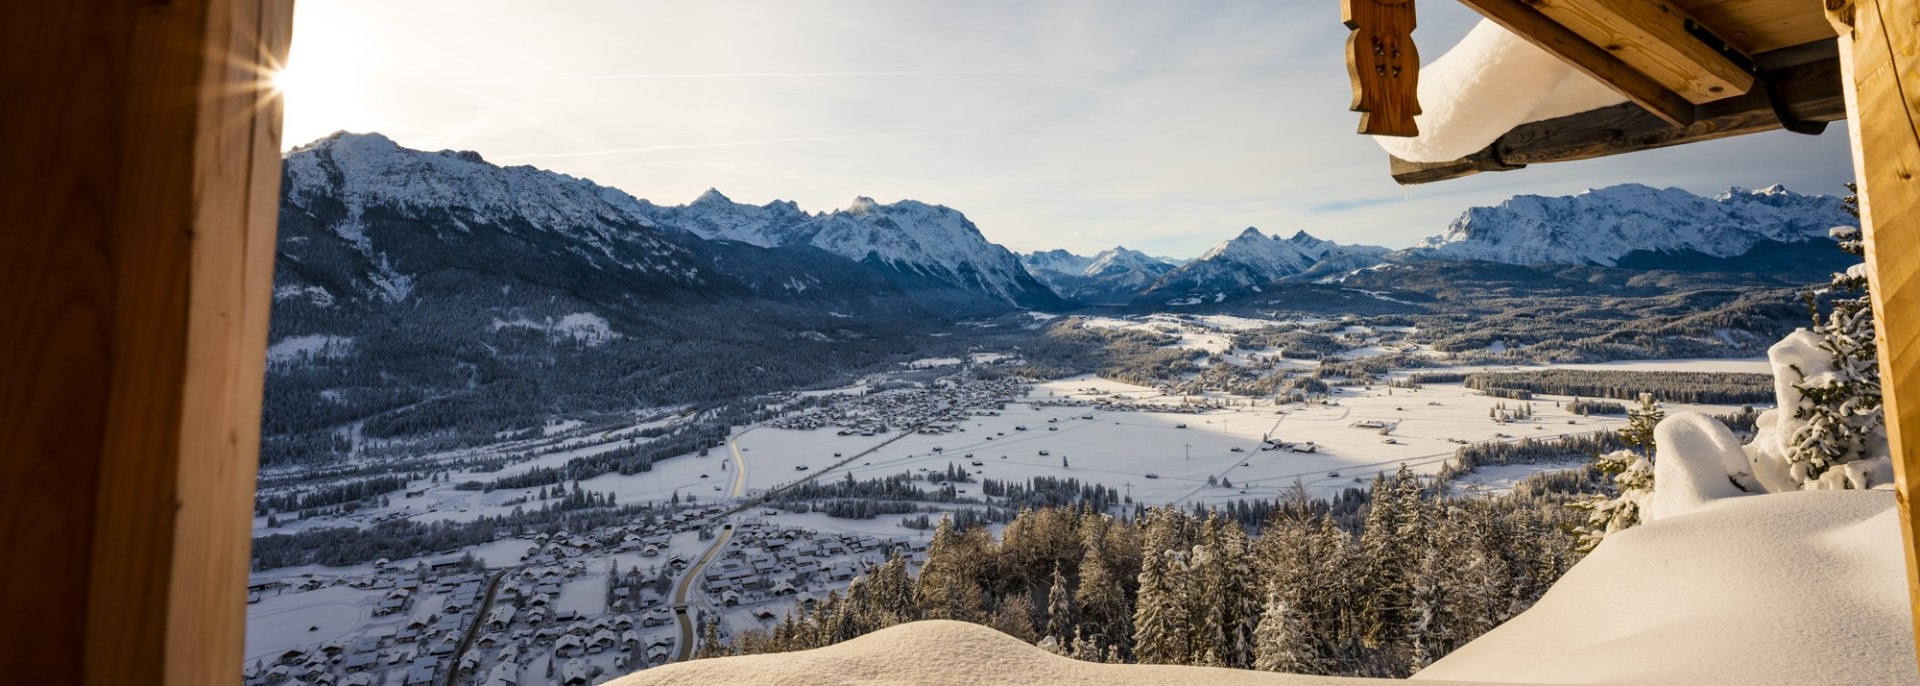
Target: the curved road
pixel 739 464
pixel 684 648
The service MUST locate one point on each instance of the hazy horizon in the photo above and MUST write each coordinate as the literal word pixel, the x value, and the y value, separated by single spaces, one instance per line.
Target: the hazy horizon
pixel 1064 124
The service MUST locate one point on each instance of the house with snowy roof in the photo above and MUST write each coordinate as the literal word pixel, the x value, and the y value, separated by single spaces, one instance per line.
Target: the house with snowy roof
pixel 503 674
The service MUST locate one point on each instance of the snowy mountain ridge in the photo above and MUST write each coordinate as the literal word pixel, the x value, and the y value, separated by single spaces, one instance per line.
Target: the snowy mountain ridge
pixel 1119 260
pixel 1253 258
pixel 908 237
pixel 925 247
pixel 1057 261
pixel 1601 226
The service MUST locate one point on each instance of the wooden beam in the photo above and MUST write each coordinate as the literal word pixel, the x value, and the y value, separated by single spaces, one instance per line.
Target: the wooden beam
pixel 1811 91
pixel 1759 26
pixel 143 166
pixel 1528 23
pixel 1883 62
pixel 1653 37
pixel 1383 65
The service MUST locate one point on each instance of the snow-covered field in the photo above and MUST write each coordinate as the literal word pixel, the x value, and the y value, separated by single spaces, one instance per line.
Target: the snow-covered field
pixel 1150 446
pixel 1120 448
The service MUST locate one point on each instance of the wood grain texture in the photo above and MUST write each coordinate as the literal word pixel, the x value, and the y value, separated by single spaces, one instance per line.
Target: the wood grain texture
pixel 1757 26
pixel 1885 104
pixel 1812 91
pixel 146 154
pixel 1383 65
pixel 1651 36
pixel 1528 23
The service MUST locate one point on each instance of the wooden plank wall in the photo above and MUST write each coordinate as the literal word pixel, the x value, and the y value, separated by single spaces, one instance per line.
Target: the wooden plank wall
pixel 1884 107
pixel 142 173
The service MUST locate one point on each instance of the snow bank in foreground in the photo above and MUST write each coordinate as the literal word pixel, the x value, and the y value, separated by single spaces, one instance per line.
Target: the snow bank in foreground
pixel 1489 83
pixel 940 652
pixel 1790 588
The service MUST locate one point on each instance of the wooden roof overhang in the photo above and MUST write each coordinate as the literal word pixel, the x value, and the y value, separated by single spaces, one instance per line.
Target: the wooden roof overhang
pixel 1690 70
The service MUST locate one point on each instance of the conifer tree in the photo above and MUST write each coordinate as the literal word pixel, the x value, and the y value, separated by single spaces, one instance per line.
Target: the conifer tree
pixel 1278 638
pixel 1629 474
pixel 1163 631
pixel 1059 607
pixel 1104 611
pixel 1841 412
pixel 1014 617
pixel 711 644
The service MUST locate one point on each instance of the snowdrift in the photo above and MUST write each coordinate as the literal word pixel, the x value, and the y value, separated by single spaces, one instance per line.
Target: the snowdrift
pixel 1788 588
pixel 1791 589
pixel 947 653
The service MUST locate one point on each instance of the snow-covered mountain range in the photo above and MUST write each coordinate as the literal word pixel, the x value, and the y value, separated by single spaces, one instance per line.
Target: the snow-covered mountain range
pixel 1111 277
pixel 931 252
pixel 936 256
pixel 1252 259
pixel 922 245
pixel 1609 226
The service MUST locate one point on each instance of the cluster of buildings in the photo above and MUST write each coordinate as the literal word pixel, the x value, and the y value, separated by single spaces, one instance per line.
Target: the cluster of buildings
pixel 768 565
pixel 936 408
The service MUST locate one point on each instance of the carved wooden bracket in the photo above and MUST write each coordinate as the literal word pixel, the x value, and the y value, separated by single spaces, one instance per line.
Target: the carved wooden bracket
pixel 1383 64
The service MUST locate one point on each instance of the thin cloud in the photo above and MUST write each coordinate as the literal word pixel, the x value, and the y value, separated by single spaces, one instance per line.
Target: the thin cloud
pixel 929 73
pixel 699 146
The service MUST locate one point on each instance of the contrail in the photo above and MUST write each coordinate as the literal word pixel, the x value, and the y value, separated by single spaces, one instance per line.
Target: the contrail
pixel 699 146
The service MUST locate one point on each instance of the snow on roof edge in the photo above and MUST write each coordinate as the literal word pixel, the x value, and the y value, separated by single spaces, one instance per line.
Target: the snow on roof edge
pixel 1483 87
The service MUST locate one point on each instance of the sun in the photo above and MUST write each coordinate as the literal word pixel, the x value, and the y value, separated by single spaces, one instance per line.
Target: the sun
pixel 282 80
pixel 321 89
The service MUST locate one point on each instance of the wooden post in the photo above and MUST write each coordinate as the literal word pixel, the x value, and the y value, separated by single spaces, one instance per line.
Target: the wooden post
pixel 1383 64
pixel 1880 58
pixel 143 174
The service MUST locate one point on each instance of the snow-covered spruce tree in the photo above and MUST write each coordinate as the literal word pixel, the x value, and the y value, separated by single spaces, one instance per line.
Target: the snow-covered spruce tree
pixel 1277 639
pixel 1629 474
pixel 1059 608
pixel 1306 561
pixel 1163 627
pixel 1389 551
pixel 1102 600
pixel 1840 414
pixel 1225 596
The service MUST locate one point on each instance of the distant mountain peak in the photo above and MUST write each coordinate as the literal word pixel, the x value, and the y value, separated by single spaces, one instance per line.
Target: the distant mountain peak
pixel 712 196
pixel 862 204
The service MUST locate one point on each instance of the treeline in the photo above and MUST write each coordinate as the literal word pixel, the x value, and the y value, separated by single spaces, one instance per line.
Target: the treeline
pixel 1577 447
pixel 1585 407
pixel 1718 388
pixel 350 492
pixel 895 487
pixel 1047 491
pixel 1423 575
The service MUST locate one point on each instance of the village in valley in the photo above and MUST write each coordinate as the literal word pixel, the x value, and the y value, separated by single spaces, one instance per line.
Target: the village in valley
pixel 574 581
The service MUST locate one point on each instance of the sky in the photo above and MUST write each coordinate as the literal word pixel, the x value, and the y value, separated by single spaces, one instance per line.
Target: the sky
pixel 1163 125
